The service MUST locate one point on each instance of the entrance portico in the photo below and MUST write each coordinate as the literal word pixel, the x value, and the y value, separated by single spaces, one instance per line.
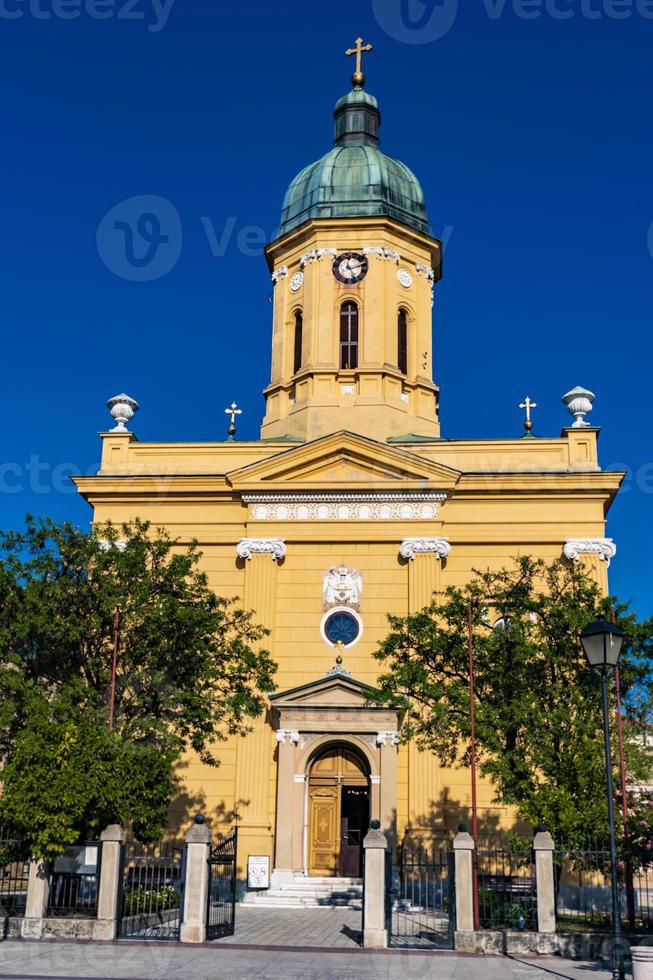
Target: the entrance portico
pixel 334 745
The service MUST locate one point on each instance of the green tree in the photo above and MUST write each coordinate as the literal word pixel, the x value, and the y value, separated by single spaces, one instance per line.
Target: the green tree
pixel 190 671
pixel 537 703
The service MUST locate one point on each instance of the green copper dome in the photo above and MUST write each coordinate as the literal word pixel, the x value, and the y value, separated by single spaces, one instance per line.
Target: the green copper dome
pixel 355 179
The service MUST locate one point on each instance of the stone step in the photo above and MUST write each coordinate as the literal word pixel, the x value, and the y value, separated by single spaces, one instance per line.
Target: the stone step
pixel 305 902
pixel 306 892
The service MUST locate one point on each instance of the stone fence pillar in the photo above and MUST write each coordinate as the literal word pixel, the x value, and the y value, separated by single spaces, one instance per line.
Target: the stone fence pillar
pixel 463 847
pixel 375 931
pixel 38 891
pixel 112 839
pixel 545 881
pixel 196 889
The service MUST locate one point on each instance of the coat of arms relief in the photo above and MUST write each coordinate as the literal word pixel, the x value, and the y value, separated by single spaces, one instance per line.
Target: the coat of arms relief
pixel 343 586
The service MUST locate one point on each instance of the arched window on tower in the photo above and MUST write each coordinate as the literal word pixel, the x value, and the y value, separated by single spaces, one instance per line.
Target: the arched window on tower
pixel 299 339
pixel 348 336
pixel 402 341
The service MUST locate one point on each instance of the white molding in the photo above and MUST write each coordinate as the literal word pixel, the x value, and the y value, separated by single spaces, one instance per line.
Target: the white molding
pixel 316 254
pixel 386 254
pixel 279 273
pixel 385 738
pixel 426 270
pixel 412 547
pixel 375 780
pixel 300 777
pixel 345 506
pixel 261 546
pixel 605 548
pixel 287 736
pixel 119 545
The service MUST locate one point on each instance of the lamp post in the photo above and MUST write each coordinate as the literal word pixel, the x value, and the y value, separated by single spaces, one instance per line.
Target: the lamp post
pixel 602 642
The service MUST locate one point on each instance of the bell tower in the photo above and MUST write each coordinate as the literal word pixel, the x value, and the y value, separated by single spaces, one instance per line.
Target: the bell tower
pixel 354 269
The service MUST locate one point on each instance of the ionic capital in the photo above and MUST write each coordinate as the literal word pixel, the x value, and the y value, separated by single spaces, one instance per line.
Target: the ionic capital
pixel 605 548
pixel 261 546
pixel 412 547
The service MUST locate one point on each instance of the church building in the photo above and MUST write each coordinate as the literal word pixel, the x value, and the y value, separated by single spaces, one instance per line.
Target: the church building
pixel 351 506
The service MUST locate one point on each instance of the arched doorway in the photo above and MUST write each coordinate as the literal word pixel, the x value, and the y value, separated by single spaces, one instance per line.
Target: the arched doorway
pixel 339 812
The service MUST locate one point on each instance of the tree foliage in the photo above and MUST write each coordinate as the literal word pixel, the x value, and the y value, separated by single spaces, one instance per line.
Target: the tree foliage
pixel 537 703
pixel 190 670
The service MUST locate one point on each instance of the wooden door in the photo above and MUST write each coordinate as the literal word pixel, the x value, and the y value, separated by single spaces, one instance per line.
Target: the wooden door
pixel 324 826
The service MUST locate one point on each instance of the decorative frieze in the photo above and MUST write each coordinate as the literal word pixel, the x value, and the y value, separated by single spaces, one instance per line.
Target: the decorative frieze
pixel 284 736
pixel 316 254
pixel 261 546
pixel 412 547
pixel 383 253
pixel 279 273
pixel 388 738
pixel 605 548
pixel 425 270
pixel 345 507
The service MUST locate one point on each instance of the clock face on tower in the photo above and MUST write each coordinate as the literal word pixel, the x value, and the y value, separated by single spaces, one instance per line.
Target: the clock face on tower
pixel 350 268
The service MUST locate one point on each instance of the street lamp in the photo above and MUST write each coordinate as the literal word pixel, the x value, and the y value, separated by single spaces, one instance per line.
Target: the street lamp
pixel 602 642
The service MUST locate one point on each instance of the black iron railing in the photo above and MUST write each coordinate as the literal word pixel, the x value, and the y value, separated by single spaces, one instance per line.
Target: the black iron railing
pixel 14 874
pixel 152 890
pixel 221 904
pixel 75 882
pixel 420 895
pixel 583 888
pixel 507 889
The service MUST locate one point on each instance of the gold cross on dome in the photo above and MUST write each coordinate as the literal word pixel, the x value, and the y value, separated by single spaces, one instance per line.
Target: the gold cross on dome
pixel 358 78
pixel 528 406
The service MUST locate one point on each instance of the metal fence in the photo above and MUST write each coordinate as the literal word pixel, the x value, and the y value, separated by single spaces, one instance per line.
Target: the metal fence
pixel 75 882
pixel 507 888
pixel 420 889
pixel 151 897
pixel 221 901
pixel 583 888
pixel 14 874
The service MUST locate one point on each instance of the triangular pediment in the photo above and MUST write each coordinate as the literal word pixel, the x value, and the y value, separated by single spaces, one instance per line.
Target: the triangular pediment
pixel 343 459
pixel 334 690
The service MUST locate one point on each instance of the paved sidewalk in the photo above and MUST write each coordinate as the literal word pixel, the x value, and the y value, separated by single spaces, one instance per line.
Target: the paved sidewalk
pixel 170 961
pixel 333 928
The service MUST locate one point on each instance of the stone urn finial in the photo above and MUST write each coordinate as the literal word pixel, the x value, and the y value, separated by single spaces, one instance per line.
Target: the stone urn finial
pixel 122 408
pixel 579 401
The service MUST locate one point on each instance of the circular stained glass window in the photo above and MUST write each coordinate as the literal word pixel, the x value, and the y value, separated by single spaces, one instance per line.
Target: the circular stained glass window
pixel 342 627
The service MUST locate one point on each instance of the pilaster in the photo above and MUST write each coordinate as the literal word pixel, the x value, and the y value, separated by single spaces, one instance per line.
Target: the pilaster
pixel 463 846
pixel 424 557
pixel 38 890
pixel 375 932
pixel 254 756
pixel 546 904
pixel 196 885
pixel 110 861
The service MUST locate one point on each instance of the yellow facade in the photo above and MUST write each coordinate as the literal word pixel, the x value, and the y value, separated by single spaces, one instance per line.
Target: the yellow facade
pixel 350 471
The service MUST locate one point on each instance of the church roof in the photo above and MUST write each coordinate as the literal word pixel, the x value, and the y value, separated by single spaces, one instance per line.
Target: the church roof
pixel 355 179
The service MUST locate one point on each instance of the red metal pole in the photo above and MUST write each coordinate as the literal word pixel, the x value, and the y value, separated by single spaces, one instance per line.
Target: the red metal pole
pixel 470 639
pixel 114 666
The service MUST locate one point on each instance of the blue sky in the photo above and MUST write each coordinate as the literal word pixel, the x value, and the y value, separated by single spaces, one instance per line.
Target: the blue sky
pixel 528 123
